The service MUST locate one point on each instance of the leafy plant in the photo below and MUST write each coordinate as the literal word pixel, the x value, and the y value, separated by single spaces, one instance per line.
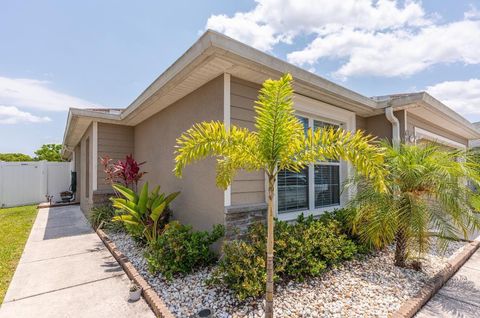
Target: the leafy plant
pixel 104 214
pixel 303 249
pixel 145 214
pixel 278 143
pixel 127 172
pixel 179 249
pixel 427 196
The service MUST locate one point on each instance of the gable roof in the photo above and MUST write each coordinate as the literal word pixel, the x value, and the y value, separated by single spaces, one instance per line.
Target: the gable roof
pixel 214 54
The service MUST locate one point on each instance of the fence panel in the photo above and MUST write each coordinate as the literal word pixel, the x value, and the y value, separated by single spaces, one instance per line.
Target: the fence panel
pixel 29 182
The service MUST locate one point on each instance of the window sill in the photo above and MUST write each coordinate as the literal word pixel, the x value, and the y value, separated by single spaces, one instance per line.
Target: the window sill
pixel 292 216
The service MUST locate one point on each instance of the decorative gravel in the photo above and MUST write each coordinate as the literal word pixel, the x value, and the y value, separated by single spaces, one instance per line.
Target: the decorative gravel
pixel 367 287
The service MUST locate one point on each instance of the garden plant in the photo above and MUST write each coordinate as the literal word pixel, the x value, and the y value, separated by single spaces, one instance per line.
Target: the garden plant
pixel 144 215
pixel 278 143
pixel 429 195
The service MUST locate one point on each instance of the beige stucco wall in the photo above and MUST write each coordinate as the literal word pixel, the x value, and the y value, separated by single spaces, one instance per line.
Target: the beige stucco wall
pixel 247 187
pixel 415 121
pixel 200 203
pixel 116 141
pixel 361 123
pixel 380 127
pixel 85 202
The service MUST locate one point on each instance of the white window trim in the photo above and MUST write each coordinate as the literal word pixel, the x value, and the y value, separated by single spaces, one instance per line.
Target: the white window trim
pixel 428 135
pixel 317 110
pixel 94 157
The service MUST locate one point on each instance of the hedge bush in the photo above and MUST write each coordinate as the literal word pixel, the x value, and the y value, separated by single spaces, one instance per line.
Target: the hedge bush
pixel 179 249
pixel 302 249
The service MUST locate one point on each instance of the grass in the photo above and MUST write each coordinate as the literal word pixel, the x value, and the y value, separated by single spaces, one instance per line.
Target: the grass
pixel 15 225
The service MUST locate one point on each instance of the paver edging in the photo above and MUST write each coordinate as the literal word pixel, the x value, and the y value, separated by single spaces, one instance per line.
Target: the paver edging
pixel 151 297
pixel 414 304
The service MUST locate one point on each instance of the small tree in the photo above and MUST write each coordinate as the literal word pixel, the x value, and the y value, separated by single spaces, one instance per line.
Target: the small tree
pixel 49 152
pixel 279 143
pixel 428 196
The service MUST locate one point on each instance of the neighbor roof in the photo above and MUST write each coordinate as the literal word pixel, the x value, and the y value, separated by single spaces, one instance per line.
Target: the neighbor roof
pixel 215 54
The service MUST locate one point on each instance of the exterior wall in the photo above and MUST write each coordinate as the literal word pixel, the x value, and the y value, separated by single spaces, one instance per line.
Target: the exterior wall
pixel 200 203
pixel 380 127
pixel 85 200
pixel 116 141
pixel 414 121
pixel 361 123
pixel 247 187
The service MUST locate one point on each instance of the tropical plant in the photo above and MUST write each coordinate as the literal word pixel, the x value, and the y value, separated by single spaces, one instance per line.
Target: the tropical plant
pixel 49 152
pixel 102 216
pixel 302 249
pixel 278 143
pixel 179 250
pixel 127 172
pixel 427 197
pixel 143 214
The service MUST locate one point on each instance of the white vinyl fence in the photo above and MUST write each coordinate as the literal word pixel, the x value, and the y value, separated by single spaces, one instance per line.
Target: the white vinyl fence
pixel 29 182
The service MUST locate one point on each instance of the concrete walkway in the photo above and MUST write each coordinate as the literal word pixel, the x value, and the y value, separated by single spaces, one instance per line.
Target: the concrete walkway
pixel 460 296
pixel 66 271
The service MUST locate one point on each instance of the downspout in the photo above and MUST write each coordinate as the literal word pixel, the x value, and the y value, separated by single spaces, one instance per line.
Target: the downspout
pixel 395 127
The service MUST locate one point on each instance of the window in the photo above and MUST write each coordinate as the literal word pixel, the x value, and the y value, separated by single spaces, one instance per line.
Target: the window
pixel 327 177
pixel 316 187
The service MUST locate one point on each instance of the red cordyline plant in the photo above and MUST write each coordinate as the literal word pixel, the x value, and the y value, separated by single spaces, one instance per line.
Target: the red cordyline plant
pixel 126 172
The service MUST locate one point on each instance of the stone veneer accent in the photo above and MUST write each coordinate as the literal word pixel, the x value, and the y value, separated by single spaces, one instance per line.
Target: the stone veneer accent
pixel 239 217
pixel 102 197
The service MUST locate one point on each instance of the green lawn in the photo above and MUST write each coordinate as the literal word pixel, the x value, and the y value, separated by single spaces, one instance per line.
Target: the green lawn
pixel 15 225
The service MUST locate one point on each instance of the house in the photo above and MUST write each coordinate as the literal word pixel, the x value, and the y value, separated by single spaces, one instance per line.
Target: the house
pixel 218 78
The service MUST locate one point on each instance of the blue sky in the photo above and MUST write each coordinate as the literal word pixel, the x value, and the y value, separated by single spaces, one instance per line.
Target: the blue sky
pixel 57 54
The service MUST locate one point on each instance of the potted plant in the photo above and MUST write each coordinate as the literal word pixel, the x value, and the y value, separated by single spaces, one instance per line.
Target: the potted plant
pixel 135 292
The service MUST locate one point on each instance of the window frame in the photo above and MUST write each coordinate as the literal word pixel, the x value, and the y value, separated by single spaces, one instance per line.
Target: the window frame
pixel 320 111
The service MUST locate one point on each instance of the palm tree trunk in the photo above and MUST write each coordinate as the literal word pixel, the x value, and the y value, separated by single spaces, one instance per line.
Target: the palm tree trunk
pixel 270 224
pixel 400 248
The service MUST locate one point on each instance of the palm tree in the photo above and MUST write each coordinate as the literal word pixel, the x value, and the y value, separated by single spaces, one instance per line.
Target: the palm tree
pixel 278 143
pixel 428 196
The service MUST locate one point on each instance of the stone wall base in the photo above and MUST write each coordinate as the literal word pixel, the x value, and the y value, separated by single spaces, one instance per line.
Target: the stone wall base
pixel 239 217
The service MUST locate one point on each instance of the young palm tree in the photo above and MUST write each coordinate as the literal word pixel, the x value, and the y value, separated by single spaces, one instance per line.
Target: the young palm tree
pixel 428 195
pixel 278 143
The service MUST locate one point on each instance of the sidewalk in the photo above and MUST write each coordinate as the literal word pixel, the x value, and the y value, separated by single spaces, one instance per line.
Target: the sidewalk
pixel 460 296
pixel 66 271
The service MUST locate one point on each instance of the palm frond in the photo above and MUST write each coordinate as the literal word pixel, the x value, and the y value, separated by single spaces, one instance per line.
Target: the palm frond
pixel 329 143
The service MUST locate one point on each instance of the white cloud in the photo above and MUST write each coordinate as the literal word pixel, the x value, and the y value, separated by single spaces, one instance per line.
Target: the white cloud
pixel 462 96
pixel 369 37
pixel 35 94
pixel 10 115
pixel 395 53
pixel 274 21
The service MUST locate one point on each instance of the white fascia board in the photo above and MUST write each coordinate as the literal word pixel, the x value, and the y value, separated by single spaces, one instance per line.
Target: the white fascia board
pixel 428 135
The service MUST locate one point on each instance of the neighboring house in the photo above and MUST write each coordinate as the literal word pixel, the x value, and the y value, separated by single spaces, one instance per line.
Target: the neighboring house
pixel 218 78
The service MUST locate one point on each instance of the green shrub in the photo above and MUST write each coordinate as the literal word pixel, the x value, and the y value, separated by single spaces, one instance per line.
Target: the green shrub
pixel 179 249
pixel 104 214
pixel 344 218
pixel 302 249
